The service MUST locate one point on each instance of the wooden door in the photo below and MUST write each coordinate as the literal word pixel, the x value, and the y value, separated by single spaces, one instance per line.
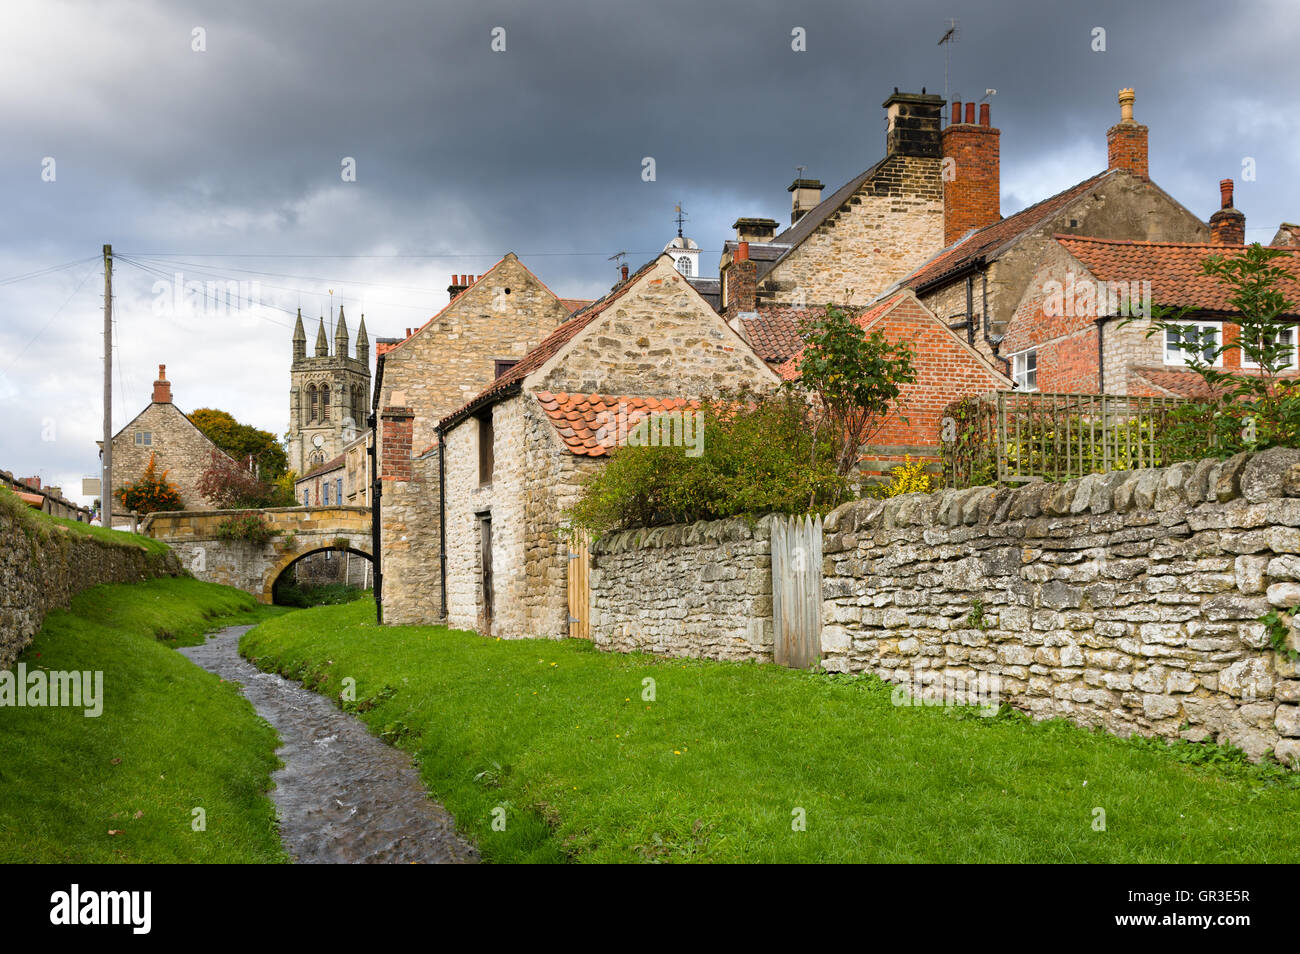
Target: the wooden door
pixel 580 586
pixel 797 591
pixel 485 574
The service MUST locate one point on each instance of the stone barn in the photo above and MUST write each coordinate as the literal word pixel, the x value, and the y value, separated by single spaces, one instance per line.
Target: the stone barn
pixel 516 456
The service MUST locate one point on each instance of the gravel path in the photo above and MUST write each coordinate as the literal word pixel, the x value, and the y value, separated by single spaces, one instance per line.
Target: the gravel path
pixel 343 795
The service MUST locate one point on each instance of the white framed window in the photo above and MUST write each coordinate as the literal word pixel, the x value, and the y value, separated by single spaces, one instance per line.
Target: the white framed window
pixel 144 438
pixel 684 265
pixel 1284 336
pixel 1024 370
pixel 1179 335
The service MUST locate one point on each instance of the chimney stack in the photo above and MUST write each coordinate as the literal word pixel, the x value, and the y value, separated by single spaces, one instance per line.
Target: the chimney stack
pixel 1126 141
pixel 1228 225
pixel 754 230
pixel 623 272
pixel 458 284
pixel 740 283
pixel 162 389
pixel 972 173
pixel 914 120
pixel 805 195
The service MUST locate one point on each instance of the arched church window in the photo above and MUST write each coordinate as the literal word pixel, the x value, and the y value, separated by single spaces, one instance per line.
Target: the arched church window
pixel 684 265
pixel 324 402
pixel 311 400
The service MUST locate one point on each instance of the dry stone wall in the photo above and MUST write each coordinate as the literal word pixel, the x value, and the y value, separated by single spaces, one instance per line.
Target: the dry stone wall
pixel 41 570
pixel 1130 601
pixel 701 589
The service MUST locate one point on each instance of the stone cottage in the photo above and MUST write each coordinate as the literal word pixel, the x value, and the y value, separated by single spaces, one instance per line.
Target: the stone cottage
pixel 947 366
pixel 488 325
pixel 517 455
pixel 163 430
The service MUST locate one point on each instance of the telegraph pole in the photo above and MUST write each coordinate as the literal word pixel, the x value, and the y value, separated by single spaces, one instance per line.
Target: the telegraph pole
pixel 106 481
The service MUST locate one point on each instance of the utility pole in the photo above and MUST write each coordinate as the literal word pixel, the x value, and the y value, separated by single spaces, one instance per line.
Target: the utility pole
pixel 106 481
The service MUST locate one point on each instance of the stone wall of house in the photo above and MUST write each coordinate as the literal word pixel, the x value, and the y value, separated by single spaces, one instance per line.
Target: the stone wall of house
pixel 42 567
pixel 1130 600
pixel 892 225
pixel 181 450
pixel 658 339
pixel 534 480
pixel 701 589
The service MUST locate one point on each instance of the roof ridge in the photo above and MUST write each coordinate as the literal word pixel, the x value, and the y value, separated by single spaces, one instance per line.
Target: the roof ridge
pixel 1068 237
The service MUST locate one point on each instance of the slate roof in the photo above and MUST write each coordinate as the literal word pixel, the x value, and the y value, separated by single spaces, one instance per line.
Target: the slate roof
pixel 589 424
pixel 329 465
pixel 1173 268
pixel 988 242
pixel 809 222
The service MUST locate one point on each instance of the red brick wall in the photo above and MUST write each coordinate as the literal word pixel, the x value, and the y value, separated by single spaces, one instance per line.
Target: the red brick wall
pixel 946 369
pixel 395 427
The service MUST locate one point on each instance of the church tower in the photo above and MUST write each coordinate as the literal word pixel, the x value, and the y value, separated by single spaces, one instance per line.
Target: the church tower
pixel 329 393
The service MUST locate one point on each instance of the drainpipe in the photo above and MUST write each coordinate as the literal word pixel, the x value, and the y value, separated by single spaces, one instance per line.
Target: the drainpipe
pixel 442 523
pixel 376 491
pixel 1101 354
pixel 970 309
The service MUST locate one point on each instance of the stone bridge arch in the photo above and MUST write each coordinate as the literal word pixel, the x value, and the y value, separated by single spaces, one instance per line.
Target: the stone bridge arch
pixel 252 565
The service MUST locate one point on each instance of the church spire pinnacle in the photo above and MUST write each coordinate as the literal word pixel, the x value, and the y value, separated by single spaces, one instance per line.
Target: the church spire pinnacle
pixel 363 341
pixel 299 339
pixel 322 343
pixel 341 336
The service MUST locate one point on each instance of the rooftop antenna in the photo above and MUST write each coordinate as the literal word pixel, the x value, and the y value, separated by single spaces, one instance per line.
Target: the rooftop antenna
pixel 800 170
pixel 948 39
pixel 681 217
pixel 617 259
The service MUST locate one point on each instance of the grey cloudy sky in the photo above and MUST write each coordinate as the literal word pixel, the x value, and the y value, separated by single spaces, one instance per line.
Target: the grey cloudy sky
pixel 226 163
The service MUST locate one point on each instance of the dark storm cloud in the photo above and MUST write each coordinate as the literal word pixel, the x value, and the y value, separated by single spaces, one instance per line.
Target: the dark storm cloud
pixel 462 151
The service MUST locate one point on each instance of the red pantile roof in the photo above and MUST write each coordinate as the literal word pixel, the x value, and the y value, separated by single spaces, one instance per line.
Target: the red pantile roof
pixel 989 241
pixel 591 425
pixel 1174 269
pixel 575 304
pixel 789 370
pixel 773 332
pixel 1173 382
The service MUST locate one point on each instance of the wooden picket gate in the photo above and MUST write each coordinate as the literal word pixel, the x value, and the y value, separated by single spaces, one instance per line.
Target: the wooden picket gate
pixel 797 590
pixel 580 586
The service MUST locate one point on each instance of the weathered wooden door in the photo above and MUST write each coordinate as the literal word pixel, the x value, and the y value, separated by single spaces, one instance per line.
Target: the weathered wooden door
pixel 797 590
pixel 485 574
pixel 580 586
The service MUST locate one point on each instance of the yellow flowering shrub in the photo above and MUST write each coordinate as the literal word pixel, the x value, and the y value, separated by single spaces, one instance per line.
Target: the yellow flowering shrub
pixel 910 477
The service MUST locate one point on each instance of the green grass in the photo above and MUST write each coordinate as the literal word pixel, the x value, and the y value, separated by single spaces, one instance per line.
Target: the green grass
pixel 42 524
pixel 171 738
pixel 557 733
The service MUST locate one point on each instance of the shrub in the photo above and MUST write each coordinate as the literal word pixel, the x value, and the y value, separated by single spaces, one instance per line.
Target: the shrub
pixel 246 526
pixel 907 478
pixel 759 455
pixel 151 493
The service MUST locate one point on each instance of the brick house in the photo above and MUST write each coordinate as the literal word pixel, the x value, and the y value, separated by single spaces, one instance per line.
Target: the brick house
pixel 947 367
pixel 163 430
pixel 517 455
pixel 878 226
pixel 978 281
pixel 489 324
pixel 1071 319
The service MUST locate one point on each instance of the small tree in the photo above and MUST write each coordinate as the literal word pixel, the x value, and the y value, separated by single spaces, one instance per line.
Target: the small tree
pixel 228 486
pixel 151 493
pixel 854 379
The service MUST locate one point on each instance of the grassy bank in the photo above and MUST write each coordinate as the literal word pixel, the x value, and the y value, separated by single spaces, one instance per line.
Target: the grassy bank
pixel 122 787
pixel 728 757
